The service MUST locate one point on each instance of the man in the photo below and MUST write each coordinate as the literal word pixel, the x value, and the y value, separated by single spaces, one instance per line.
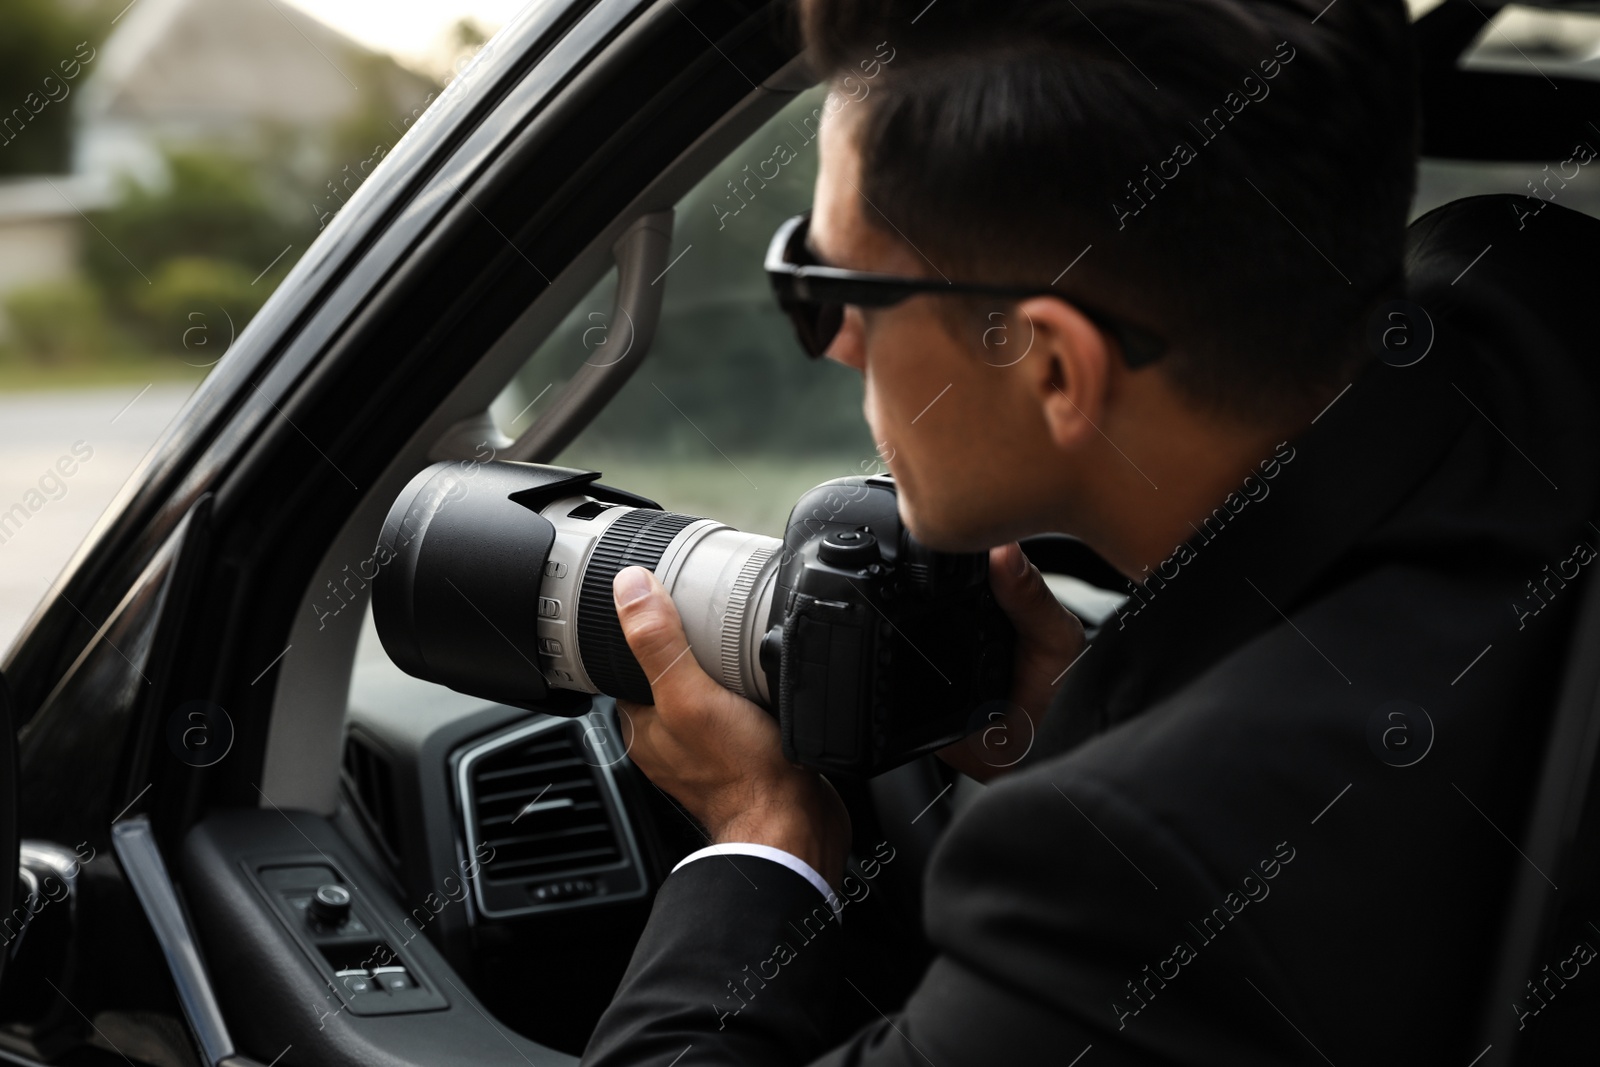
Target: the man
pixel 1266 815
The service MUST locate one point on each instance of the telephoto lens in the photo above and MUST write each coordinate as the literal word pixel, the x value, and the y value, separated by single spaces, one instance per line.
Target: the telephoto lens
pixel 500 584
pixel 720 579
pixel 495 580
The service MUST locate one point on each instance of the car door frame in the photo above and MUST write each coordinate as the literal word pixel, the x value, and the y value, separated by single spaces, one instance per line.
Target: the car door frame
pixel 312 397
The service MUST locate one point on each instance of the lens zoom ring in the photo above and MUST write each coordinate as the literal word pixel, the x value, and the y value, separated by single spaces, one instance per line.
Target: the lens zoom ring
pixel 638 539
pixel 733 621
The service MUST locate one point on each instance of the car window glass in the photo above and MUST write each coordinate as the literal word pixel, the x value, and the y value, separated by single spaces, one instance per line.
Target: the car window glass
pixel 1525 41
pixel 1567 182
pixel 725 418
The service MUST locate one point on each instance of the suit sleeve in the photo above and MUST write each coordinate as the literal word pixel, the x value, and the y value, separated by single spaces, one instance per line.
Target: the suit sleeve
pixel 776 855
pixel 738 964
pixel 1053 905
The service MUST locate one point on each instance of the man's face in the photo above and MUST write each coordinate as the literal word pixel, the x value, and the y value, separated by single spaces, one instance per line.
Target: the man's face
pixel 953 417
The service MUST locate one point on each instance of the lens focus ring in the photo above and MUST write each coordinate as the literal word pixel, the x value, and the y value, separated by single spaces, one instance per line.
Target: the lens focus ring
pixel 637 539
pixel 734 624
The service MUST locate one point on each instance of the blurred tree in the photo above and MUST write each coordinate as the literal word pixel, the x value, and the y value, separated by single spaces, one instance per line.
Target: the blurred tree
pixel 201 303
pixel 225 223
pixel 56 323
pixel 469 35
pixel 194 245
pixel 392 100
pixel 212 205
pixel 197 241
pixel 461 44
pixel 35 118
pixel 308 174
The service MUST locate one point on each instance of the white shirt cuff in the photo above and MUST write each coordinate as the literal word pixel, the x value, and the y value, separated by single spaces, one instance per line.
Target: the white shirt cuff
pixel 776 855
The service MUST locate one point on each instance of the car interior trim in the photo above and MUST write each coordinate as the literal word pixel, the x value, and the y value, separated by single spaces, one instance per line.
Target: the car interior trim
pixel 141 861
pixel 302 755
pixel 641 255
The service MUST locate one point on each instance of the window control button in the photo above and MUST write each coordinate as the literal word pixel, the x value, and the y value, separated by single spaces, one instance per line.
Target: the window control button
pixel 393 979
pixel 356 983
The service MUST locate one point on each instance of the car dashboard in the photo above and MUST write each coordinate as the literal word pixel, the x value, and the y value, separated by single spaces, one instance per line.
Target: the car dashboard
pixel 523 846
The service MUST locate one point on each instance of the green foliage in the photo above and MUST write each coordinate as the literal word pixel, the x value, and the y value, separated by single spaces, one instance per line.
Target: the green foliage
pixel 175 266
pixel 211 207
pixel 198 304
pixel 392 98
pixel 58 323
pixel 36 38
pixel 468 35
pixel 177 258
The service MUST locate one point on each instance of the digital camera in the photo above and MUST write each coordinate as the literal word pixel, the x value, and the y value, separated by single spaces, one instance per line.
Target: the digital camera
pixel 869 648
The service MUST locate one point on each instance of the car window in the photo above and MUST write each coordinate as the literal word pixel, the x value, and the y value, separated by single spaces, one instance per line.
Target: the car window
pixel 726 418
pixel 1439 181
pixel 147 213
pixel 1538 44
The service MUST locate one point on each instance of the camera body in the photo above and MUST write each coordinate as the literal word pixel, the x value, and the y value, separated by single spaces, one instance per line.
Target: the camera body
pixel 868 647
pixel 883 649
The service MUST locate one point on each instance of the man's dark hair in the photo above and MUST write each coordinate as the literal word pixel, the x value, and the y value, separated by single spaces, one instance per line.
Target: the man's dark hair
pixel 1243 169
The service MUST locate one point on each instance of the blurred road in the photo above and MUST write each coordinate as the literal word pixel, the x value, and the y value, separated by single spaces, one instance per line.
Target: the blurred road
pixel 45 513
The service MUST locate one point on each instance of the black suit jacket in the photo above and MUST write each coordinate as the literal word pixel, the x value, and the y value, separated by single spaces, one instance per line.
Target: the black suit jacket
pixel 1269 818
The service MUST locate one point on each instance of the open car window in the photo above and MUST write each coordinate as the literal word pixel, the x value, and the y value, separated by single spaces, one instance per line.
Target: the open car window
pixel 725 418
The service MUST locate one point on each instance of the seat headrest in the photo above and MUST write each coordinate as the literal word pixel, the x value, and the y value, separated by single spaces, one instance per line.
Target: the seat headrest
pixel 1520 266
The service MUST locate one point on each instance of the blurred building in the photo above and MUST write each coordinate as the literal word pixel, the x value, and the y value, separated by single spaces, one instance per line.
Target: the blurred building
pixel 39 227
pixel 184 74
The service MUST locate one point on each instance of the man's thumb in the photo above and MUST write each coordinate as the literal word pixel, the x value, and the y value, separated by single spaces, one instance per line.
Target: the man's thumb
pixel 649 620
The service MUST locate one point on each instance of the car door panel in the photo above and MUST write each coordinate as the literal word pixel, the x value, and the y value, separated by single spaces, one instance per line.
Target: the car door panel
pixel 280 998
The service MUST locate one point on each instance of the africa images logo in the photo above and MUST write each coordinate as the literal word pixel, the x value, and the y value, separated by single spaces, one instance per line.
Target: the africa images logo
pixel 1253 888
pixel 1253 489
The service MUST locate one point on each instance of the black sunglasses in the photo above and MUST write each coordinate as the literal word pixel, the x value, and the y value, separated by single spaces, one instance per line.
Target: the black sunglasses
pixel 814 296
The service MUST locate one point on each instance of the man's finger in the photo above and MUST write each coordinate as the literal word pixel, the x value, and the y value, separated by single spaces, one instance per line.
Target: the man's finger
pixel 1024 596
pixel 654 631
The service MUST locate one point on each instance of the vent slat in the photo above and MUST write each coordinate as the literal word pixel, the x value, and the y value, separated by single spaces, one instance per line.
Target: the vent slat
pixel 512 841
pixel 563 861
pixel 547 842
pixel 514 814
pixel 537 767
pixel 547 788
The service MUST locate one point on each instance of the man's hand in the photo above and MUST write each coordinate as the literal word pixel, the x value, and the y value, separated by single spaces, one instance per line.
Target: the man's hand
pixel 718 754
pixel 1049 639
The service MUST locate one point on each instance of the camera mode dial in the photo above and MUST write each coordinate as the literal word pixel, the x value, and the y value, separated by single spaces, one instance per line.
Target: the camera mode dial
pixel 848 548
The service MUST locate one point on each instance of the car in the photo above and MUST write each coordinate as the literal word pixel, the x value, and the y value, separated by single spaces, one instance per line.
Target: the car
pixel 246 837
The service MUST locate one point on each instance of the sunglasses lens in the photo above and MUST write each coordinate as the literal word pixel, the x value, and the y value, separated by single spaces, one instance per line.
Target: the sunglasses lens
pixel 816 325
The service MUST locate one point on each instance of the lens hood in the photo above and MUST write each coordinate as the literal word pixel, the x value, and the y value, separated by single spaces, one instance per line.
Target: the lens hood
pixel 461 556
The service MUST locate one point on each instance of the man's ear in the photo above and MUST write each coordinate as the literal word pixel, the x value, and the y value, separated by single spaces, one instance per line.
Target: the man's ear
pixel 1069 372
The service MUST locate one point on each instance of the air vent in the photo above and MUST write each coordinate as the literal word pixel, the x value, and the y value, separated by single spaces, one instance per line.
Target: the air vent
pixel 542 819
pixel 371 782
